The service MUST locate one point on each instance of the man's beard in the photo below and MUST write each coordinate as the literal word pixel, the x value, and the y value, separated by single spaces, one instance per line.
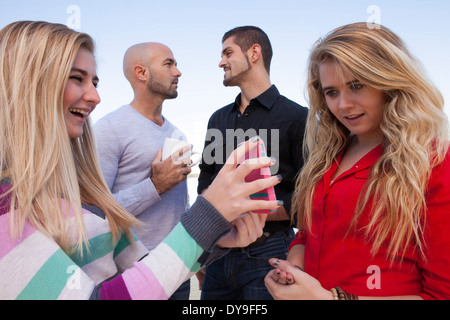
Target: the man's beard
pixel 233 80
pixel 166 92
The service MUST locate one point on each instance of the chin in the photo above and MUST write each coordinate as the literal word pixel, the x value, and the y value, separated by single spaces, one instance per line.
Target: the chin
pixel 172 95
pixel 73 134
pixel 228 83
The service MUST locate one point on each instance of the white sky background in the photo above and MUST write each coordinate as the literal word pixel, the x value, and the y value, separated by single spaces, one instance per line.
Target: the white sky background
pixel 193 30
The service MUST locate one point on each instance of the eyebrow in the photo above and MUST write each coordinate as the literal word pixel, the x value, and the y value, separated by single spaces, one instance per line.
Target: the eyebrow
pixel 225 50
pixel 84 73
pixel 170 60
pixel 348 83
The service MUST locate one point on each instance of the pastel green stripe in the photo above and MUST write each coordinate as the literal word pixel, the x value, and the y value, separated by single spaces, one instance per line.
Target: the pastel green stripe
pixel 99 247
pixel 259 195
pixel 50 280
pixel 123 243
pixel 184 246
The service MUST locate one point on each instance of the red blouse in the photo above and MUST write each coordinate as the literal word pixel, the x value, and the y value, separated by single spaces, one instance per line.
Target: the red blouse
pixel 339 259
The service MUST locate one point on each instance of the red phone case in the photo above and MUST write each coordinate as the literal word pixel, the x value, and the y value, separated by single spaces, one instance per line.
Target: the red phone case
pixel 268 193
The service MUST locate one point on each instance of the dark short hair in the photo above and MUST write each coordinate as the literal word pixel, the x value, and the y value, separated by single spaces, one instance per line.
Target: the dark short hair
pixel 247 36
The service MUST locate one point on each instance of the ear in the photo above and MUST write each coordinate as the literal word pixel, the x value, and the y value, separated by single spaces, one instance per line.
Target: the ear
pixel 254 53
pixel 141 73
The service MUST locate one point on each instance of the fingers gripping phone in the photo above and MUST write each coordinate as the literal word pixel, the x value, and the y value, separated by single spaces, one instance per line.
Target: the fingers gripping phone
pixel 265 194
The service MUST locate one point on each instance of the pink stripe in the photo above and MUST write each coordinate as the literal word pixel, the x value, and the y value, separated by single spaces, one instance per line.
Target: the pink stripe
pixel 7 243
pixel 114 290
pixel 139 279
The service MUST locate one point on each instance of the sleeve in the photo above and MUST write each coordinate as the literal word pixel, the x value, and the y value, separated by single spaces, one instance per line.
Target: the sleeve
pixel 135 199
pixel 300 238
pixel 435 264
pixel 161 272
pixel 297 133
pixel 207 169
pixel 36 268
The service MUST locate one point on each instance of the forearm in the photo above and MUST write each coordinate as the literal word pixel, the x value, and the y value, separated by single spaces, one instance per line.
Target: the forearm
pixel 139 197
pixel 296 255
pixel 161 272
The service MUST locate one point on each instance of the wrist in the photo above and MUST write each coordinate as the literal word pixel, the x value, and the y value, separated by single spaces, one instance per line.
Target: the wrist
pixel 327 295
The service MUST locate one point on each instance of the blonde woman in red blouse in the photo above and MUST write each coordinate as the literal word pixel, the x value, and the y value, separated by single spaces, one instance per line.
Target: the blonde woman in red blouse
pixel 373 199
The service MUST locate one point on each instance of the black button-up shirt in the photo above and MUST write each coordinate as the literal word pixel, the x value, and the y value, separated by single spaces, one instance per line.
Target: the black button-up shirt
pixel 279 121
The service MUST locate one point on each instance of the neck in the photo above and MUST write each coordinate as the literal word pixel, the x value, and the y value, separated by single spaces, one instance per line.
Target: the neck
pixel 150 107
pixel 368 141
pixel 253 87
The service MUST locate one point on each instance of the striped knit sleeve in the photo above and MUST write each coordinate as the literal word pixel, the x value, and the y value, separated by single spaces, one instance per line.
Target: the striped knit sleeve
pixel 173 261
pixel 35 267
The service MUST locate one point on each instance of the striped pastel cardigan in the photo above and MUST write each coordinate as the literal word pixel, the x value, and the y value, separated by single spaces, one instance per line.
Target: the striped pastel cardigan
pixel 35 267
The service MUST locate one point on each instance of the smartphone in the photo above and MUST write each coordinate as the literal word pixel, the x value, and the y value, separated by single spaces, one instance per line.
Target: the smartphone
pixel 268 193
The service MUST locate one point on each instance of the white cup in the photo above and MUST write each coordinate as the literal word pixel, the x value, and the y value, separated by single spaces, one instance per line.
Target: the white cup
pixel 171 146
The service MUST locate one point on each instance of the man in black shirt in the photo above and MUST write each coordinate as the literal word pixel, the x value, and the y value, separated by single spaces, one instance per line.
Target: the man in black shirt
pixel 258 110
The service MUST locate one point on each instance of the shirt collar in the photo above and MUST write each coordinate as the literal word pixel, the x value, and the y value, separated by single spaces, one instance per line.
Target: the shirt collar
pixel 266 99
pixel 365 162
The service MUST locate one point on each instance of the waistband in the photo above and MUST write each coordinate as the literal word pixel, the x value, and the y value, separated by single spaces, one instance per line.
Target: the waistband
pixel 266 235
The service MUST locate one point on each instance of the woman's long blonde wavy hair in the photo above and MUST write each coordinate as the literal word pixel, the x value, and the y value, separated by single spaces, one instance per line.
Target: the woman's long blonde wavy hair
pixel 414 126
pixel 37 157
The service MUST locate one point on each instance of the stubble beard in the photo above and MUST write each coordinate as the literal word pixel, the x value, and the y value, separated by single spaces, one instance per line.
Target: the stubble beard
pixel 166 92
pixel 235 80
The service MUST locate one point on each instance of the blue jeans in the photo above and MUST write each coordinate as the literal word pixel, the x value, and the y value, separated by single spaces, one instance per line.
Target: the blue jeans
pixel 240 274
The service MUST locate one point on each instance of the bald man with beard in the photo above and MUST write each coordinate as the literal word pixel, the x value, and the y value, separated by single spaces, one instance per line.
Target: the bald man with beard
pixel 129 143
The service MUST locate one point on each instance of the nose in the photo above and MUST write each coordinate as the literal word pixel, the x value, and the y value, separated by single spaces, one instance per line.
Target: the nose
pixel 177 72
pixel 91 96
pixel 345 101
pixel 222 63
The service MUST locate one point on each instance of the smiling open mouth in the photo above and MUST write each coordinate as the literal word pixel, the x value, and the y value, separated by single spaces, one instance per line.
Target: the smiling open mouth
pixel 79 113
pixel 354 117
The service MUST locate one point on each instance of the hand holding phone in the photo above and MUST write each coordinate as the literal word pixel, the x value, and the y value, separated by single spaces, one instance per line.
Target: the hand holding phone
pixel 268 193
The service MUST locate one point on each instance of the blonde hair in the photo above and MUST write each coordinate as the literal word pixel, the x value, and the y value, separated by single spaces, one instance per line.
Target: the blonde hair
pixel 44 167
pixel 414 127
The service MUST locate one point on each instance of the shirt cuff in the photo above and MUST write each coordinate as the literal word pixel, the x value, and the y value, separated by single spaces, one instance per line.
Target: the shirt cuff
pixel 205 224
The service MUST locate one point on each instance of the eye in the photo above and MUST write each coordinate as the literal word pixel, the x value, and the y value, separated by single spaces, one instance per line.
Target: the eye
pixel 76 78
pixel 330 93
pixel 356 86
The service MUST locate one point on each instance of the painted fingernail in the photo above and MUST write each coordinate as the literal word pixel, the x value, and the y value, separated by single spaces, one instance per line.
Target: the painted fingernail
pixel 280 203
pixel 280 177
pixel 276 263
pixel 273 160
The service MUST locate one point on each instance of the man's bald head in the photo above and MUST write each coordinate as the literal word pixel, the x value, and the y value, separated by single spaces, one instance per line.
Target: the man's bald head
pixel 152 69
pixel 140 54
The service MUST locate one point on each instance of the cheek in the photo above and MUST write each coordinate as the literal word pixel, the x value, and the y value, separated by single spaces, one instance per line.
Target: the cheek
pixel 68 97
pixel 378 107
pixel 332 106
